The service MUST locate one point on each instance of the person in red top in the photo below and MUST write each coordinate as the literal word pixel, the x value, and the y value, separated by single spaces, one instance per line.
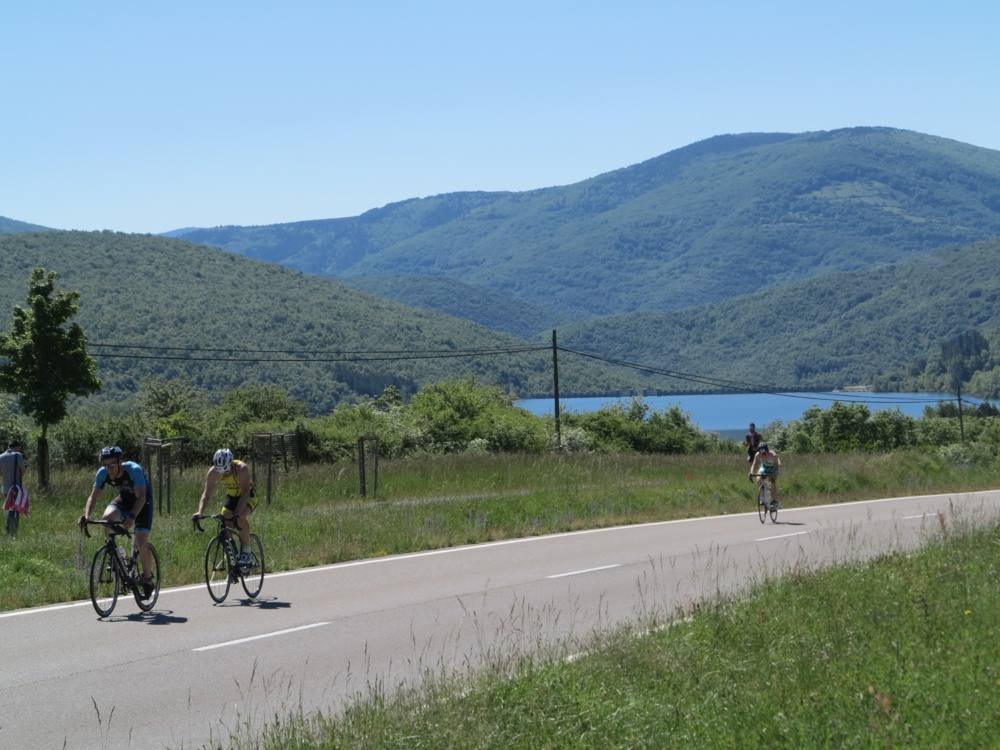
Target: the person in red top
pixel 752 442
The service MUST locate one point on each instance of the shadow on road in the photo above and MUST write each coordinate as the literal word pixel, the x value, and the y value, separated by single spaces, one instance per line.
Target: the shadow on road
pixel 161 617
pixel 269 603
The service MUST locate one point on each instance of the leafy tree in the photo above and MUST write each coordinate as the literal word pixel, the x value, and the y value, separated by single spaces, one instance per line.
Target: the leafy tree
pixel 261 402
pixel 47 360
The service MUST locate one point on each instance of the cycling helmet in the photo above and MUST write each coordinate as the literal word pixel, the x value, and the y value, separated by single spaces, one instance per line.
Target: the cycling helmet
pixel 763 448
pixel 223 460
pixel 111 451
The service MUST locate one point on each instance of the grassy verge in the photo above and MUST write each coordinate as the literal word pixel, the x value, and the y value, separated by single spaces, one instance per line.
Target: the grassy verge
pixel 901 652
pixel 432 502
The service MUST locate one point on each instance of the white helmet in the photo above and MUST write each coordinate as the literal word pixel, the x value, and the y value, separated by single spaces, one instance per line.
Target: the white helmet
pixel 223 460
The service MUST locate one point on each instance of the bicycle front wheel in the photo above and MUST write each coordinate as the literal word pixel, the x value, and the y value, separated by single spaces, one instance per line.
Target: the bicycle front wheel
pixel 217 576
pixel 105 582
pixel 252 577
pixel 763 500
pixel 146 603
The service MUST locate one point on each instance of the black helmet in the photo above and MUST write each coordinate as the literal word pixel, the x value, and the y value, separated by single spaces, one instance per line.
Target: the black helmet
pixel 763 448
pixel 111 451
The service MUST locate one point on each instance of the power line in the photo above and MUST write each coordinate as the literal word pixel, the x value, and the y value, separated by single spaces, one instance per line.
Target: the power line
pixel 396 355
pixel 337 352
pixel 738 387
pixel 389 358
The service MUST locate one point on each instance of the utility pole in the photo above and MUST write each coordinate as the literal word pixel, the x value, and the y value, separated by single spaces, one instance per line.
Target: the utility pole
pixel 555 387
pixel 961 419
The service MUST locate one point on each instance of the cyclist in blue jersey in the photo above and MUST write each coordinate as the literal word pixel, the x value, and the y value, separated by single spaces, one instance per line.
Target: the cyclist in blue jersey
pixel 132 505
pixel 765 467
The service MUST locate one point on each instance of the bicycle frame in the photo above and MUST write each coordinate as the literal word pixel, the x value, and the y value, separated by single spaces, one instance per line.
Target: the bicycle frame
pixel 124 571
pixel 222 555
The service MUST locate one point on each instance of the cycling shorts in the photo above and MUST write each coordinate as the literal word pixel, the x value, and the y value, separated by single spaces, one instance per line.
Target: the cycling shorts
pixel 232 502
pixel 143 521
pixel 768 471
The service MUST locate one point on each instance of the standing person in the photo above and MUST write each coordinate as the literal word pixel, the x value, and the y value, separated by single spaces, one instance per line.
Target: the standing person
pixel 133 504
pixel 12 466
pixel 765 466
pixel 752 442
pixel 235 477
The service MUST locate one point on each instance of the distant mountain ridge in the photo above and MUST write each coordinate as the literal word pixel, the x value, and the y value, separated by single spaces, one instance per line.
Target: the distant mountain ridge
pixel 208 308
pixel 840 328
pixel 708 222
pixel 13 226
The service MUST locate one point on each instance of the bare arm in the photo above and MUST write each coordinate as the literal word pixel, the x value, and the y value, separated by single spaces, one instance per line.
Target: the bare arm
pixel 211 480
pixel 246 483
pixel 94 493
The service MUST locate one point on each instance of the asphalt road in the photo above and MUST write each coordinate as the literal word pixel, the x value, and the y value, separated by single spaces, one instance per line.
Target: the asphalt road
pixel 191 671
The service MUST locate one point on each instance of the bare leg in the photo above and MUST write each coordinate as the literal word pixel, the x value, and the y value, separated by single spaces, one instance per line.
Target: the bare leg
pixel 145 556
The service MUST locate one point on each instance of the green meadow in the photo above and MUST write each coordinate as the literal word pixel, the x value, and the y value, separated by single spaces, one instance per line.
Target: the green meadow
pixel 424 502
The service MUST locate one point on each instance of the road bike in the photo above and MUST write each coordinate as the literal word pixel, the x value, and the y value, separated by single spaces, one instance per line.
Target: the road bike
pixel 113 572
pixel 765 503
pixel 222 568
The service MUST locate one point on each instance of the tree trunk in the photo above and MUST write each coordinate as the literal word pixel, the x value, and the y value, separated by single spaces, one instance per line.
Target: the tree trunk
pixel 43 458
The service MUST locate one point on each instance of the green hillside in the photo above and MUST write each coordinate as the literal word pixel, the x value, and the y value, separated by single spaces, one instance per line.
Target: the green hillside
pixel 715 220
pixel 145 290
pixel 474 303
pixel 12 226
pixel 834 330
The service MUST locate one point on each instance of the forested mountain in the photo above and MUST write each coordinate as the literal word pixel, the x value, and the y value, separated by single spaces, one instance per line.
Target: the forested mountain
pixel 833 330
pixel 474 303
pixel 705 223
pixel 12 226
pixel 153 291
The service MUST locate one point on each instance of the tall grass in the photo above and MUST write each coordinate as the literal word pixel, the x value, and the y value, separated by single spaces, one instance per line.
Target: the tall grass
pixel 900 652
pixel 434 501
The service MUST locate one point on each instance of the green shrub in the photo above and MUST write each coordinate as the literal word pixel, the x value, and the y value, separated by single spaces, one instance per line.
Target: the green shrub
pixel 635 427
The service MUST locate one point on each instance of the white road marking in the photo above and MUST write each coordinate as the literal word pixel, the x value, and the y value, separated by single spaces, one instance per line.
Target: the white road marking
pixel 586 570
pixel 781 536
pixel 524 540
pixel 258 637
pixel 921 515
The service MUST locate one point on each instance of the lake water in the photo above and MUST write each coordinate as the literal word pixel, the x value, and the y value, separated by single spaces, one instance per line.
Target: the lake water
pixel 734 411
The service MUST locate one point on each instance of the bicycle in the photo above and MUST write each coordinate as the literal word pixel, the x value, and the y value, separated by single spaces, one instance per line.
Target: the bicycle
pixel 765 503
pixel 222 569
pixel 112 572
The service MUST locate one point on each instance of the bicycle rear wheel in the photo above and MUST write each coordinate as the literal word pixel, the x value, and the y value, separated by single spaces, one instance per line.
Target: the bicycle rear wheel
pixel 217 576
pixel 105 582
pixel 763 499
pixel 147 603
pixel 253 577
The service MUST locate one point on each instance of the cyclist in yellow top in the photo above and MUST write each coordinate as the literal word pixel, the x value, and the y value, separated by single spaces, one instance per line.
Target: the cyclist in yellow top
pixel 766 465
pixel 235 478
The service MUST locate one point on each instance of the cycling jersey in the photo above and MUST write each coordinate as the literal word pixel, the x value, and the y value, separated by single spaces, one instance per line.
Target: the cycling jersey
pixel 132 477
pixel 230 481
pixel 768 467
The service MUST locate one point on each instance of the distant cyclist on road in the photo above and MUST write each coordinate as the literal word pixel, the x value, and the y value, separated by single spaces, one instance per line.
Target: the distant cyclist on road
pixel 752 442
pixel 765 467
pixel 235 477
pixel 133 504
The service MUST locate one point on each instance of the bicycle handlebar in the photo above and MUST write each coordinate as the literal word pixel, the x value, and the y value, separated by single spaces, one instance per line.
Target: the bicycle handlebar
pixel 196 519
pixel 115 527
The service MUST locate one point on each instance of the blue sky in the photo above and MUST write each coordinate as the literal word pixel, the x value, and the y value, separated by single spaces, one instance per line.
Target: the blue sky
pixel 144 119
